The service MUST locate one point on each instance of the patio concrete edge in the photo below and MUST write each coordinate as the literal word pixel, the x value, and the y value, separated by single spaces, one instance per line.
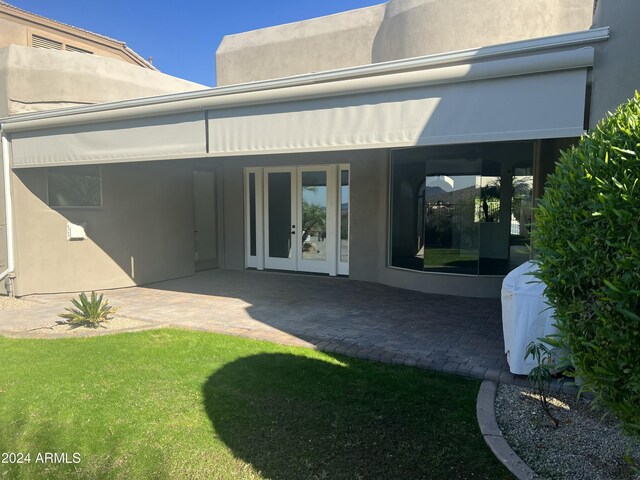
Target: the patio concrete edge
pixel 83 334
pixel 486 414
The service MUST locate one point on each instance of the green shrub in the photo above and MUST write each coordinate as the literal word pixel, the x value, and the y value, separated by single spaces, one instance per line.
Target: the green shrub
pixel 88 312
pixel 587 240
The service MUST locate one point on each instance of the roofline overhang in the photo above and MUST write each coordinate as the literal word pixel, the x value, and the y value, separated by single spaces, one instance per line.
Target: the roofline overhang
pixel 441 68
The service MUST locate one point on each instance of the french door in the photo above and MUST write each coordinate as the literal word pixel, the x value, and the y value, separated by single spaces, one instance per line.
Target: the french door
pixel 297 218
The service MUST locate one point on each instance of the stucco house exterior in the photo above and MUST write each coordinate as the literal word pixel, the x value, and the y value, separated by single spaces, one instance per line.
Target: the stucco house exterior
pixel 403 143
pixel 27 29
pixel 45 65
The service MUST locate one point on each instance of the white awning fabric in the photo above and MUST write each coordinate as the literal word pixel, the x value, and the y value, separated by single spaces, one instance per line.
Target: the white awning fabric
pixel 149 138
pixel 522 98
pixel 544 105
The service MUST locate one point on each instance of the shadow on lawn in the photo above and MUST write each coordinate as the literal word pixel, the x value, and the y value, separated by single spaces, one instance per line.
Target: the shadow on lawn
pixel 297 417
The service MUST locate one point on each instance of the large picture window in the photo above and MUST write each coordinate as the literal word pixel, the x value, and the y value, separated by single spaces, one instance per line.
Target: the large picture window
pixel 463 209
pixel 77 186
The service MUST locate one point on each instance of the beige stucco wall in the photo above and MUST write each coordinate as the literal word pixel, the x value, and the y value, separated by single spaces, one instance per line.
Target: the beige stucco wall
pixel 17 28
pixel 434 26
pixel 3 229
pixel 396 30
pixel 616 73
pixel 147 214
pixel 324 43
pixel 38 79
pixel 142 233
pixel 12 32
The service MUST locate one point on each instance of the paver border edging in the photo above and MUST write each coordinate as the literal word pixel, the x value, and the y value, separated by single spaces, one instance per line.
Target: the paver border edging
pixel 486 413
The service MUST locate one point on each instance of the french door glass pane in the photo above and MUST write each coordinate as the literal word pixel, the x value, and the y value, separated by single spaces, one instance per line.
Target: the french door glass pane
pixel 314 215
pixel 344 215
pixel 279 214
pixel 252 214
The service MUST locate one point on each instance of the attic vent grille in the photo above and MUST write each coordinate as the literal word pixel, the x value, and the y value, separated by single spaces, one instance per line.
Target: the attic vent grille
pixel 69 48
pixel 42 42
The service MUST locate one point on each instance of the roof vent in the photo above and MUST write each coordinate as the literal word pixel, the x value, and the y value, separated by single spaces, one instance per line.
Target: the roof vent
pixel 42 42
pixel 70 48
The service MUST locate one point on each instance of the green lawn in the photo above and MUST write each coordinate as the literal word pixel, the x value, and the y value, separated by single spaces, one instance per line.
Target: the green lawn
pixel 182 404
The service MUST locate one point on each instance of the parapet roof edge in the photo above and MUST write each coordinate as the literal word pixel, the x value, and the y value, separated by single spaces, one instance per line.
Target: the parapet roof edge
pixel 295 22
pixel 97 36
pixel 394 66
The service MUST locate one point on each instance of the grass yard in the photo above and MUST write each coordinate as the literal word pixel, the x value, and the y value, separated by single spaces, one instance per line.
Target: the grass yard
pixel 183 404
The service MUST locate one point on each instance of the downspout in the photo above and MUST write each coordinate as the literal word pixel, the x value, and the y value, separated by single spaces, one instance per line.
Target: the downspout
pixel 8 205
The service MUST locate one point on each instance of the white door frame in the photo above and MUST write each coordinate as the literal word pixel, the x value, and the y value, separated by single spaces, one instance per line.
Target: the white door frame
pixel 329 264
pixel 343 267
pixel 260 260
pixel 255 260
pixel 289 263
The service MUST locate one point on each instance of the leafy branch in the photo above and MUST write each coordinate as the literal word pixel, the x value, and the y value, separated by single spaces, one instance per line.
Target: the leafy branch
pixel 540 376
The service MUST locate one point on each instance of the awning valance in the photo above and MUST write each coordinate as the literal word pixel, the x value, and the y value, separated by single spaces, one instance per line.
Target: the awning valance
pixel 149 138
pixel 544 105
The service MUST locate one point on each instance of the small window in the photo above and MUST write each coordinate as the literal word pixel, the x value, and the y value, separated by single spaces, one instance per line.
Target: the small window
pixel 42 42
pixel 77 186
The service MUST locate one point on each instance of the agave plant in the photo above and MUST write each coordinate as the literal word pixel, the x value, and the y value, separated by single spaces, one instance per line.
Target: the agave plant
pixel 88 312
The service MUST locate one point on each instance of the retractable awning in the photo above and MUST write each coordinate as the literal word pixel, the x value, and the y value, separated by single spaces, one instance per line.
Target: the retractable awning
pixel 522 97
pixel 473 106
pixel 149 138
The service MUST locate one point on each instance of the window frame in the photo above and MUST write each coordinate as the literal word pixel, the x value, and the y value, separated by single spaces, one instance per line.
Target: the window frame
pixel 390 220
pixel 83 207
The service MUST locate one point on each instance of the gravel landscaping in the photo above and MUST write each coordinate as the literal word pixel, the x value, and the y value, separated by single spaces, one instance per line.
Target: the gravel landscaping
pixel 584 446
pixel 117 323
pixel 11 303
pixel 59 328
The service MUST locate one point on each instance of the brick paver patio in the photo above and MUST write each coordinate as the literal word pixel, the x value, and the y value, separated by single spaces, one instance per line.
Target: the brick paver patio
pixel 367 320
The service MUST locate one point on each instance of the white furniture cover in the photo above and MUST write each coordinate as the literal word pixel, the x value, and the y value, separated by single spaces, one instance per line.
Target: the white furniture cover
pixel 526 317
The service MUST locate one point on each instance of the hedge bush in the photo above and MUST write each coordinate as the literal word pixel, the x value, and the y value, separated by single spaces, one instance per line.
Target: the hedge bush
pixel 587 241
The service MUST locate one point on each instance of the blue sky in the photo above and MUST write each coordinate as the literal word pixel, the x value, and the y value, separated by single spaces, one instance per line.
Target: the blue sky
pixel 182 37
